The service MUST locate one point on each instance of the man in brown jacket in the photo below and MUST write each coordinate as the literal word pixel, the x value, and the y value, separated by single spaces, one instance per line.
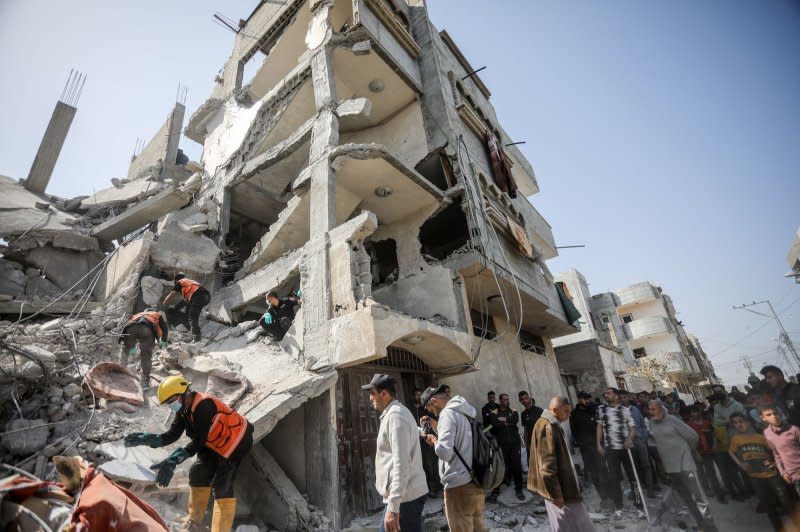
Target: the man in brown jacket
pixel 551 473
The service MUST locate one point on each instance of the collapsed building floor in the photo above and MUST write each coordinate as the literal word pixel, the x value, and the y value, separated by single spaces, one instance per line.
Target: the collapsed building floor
pixel 350 151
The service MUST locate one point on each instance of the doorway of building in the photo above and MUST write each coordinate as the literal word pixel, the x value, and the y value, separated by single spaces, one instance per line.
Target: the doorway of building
pixel 358 423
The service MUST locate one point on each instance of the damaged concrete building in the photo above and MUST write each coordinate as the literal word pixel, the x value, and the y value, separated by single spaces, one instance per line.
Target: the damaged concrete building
pixel 351 152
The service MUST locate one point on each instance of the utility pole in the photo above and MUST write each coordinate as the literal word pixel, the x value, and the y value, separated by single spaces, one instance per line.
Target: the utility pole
pixel 784 335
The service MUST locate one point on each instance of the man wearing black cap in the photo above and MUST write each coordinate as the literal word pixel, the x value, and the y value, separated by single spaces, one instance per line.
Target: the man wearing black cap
pixel 399 477
pixel 583 425
pixel 787 394
pixel 463 498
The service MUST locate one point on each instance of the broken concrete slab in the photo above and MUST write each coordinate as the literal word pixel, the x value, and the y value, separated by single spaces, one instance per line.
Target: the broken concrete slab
pixel 177 250
pixel 134 190
pixel 112 381
pixel 25 436
pixel 67 269
pixel 128 472
pixel 12 279
pixel 58 307
pixel 296 511
pixel 19 215
pixel 287 233
pixel 154 290
pixel 354 114
pixel 149 210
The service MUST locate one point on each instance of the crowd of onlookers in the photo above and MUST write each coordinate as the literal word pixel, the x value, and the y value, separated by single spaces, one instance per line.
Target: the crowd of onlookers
pixel 731 445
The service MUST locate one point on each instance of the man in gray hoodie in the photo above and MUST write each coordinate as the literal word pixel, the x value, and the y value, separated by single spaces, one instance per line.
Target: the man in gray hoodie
pixel 451 438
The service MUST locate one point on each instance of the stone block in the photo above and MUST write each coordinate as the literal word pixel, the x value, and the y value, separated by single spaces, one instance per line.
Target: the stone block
pixel 41 288
pixel 154 290
pixel 31 436
pixel 12 279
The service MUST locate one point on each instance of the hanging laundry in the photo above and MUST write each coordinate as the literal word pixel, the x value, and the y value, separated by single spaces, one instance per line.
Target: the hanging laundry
pixel 500 169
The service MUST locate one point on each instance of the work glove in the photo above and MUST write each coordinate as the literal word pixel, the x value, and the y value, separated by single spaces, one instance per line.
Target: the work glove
pixel 268 318
pixel 166 468
pixel 164 343
pixel 133 351
pixel 143 438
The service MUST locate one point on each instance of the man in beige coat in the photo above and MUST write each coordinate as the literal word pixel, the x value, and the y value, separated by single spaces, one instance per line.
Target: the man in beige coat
pixel 551 473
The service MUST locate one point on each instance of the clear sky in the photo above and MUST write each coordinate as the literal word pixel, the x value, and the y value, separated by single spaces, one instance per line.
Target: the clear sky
pixel 664 135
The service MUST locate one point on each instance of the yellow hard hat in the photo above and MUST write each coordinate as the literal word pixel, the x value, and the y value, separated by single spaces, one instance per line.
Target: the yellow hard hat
pixel 172 385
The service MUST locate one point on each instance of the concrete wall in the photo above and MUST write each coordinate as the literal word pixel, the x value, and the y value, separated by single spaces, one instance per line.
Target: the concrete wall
pixel 506 368
pixel 162 147
pixel 321 450
pixel 283 443
pixel 591 364
pixel 425 294
pixel 403 135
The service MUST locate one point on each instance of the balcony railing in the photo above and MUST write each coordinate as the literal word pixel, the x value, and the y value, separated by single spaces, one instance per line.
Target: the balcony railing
pixel 638 293
pixel 647 327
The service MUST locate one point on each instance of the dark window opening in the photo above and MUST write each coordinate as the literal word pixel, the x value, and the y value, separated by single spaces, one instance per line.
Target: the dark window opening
pixel 383 259
pixel 482 325
pixel 639 352
pixel 532 342
pixel 436 168
pixel 243 234
pixel 627 318
pixel 444 233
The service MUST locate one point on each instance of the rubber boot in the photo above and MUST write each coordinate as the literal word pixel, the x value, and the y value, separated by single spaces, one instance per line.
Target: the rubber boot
pixel 198 503
pixel 224 512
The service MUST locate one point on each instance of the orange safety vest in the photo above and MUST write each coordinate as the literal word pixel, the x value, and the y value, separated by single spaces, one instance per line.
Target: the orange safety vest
pixel 227 428
pixel 188 288
pixel 153 317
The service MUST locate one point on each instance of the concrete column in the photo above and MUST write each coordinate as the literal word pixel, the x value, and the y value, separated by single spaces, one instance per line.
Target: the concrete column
pixel 322 196
pixel 50 148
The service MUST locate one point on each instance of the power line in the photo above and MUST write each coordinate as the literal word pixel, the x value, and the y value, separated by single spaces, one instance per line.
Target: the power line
pixel 751 333
pixel 784 335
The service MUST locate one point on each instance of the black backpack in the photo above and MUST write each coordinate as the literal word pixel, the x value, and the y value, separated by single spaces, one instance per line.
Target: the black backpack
pixel 488 467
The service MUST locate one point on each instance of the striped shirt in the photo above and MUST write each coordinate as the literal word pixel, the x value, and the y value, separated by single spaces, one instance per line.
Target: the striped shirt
pixel 616 422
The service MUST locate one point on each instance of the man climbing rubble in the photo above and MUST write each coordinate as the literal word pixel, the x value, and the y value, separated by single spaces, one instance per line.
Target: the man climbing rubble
pixel 195 297
pixel 220 436
pixel 279 315
pixel 144 328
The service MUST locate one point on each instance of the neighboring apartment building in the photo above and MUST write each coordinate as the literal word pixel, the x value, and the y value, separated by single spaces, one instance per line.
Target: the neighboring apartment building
pixel 351 151
pixel 652 329
pixel 617 329
pixel 598 356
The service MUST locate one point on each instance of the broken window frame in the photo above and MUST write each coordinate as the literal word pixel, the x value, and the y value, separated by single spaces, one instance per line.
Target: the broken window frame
pixel 533 343
pixel 639 352
pixel 482 325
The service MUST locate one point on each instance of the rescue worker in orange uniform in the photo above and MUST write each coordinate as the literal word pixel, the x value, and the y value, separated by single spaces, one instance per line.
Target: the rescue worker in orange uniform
pixel 195 297
pixel 144 328
pixel 220 437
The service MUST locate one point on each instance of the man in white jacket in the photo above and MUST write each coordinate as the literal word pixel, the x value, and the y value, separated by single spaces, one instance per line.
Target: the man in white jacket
pixel 451 438
pixel 399 476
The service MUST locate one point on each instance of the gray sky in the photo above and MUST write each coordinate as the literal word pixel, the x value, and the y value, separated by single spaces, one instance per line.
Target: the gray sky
pixel 664 135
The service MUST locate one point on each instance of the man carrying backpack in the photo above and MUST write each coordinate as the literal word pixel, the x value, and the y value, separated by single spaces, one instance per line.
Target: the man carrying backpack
pixel 451 438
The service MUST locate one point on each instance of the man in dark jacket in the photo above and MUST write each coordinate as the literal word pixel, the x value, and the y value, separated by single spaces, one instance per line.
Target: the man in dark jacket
pixel 486 411
pixel 430 462
pixel 787 394
pixel 550 472
pixel 145 328
pixel 279 315
pixel 583 423
pixel 220 437
pixel 529 416
pixel 195 297
pixel 504 421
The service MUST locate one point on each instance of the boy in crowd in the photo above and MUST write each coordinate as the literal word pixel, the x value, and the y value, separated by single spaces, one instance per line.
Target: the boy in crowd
pixel 705 448
pixel 749 450
pixel 784 441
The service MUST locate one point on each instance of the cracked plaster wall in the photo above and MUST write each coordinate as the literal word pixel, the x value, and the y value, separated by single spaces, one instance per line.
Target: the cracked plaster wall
pixel 506 368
